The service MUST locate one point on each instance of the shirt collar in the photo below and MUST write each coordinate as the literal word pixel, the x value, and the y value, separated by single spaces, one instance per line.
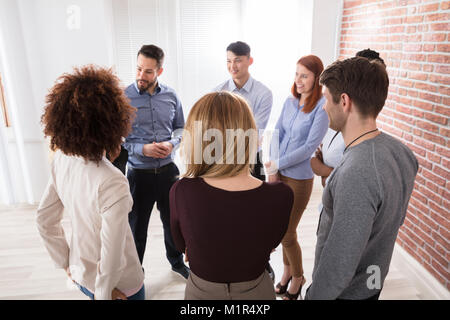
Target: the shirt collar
pixel 247 86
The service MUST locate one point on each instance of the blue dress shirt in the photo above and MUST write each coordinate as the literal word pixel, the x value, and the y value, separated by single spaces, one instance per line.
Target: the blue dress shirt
pixel 159 118
pixel 258 96
pixel 299 136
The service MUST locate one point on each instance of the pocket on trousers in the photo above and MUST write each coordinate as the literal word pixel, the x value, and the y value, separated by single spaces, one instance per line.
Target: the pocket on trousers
pixel 193 292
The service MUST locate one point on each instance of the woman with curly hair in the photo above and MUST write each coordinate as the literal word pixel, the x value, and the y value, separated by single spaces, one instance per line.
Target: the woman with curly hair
pixel 86 115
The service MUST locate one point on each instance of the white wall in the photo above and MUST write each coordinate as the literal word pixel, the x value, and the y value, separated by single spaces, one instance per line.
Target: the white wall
pixel 326 29
pixel 279 35
pixel 39 48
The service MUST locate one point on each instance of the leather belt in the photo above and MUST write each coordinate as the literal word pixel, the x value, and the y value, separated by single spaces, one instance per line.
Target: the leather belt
pixel 155 170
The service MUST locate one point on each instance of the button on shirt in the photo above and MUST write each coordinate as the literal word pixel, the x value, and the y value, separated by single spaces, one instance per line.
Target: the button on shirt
pixel 258 96
pixel 299 136
pixel 159 118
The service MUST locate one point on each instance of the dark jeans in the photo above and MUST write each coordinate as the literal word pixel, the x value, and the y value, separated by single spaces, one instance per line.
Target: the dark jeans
pixel 258 169
pixel 146 188
pixel 140 295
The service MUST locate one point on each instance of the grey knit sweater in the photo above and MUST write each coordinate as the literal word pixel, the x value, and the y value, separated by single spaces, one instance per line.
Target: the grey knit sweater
pixel 364 205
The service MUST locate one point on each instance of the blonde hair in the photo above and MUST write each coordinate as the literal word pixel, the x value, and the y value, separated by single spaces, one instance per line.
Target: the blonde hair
pixel 226 117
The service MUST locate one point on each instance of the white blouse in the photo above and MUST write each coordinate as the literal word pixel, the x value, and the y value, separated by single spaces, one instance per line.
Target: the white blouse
pixel 102 254
pixel 332 149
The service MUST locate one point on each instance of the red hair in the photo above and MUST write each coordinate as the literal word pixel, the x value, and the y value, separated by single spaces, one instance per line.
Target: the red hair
pixel 315 65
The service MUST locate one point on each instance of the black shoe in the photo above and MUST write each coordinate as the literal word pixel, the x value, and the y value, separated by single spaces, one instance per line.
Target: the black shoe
pixel 183 271
pixel 271 272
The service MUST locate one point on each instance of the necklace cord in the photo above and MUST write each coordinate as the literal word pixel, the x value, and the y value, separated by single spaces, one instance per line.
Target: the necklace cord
pixel 359 138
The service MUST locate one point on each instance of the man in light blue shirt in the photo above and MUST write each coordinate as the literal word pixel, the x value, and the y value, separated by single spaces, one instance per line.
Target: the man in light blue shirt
pixel 258 96
pixel 155 133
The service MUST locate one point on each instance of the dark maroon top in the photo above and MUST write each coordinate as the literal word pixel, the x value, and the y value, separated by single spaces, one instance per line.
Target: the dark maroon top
pixel 229 235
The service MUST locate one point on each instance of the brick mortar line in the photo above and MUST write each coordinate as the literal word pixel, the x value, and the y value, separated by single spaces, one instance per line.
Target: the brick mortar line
pixel 425 214
pixel 444 126
pixel 417 146
pixel 424 241
pixel 428 199
pixel 365 5
pixel 421 100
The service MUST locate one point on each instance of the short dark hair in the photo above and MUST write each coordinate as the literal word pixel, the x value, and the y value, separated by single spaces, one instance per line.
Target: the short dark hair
pixel 154 52
pixel 239 48
pixel 365 82
pixel 370 54
pixel 87 113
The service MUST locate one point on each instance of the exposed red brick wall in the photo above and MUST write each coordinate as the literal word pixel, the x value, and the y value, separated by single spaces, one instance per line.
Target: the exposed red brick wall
pixel 413 38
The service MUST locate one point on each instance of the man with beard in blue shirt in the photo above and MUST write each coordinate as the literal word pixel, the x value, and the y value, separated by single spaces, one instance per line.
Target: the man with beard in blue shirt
pixel 155 133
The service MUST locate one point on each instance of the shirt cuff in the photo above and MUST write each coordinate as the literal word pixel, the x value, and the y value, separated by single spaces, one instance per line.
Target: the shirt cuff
pixel 175 142
pixel 138 149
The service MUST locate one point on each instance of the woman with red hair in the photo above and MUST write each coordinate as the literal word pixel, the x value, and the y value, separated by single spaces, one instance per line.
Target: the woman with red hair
pixel 302 125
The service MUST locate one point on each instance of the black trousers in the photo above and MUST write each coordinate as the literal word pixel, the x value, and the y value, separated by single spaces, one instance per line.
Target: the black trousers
pixel 147 188
pixel 121 161
pixel 258 169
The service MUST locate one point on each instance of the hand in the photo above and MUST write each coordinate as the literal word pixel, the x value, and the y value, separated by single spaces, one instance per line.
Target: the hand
pixel 168 146
pixel 324 179
pixel 69 274
pixel 156 150
pixel 319 154
pixel 116 294
pixel 271 168
pixel 274 178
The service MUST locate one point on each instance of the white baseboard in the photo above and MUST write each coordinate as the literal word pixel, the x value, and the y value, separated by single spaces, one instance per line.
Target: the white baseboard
pixel 429 287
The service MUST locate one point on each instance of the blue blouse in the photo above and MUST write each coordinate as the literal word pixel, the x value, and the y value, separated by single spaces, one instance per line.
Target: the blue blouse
pixel 299 136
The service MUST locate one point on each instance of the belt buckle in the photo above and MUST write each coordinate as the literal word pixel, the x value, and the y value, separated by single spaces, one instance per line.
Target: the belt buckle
pixel 155 170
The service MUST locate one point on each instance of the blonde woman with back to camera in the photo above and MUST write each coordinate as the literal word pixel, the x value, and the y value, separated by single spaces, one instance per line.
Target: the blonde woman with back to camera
pixel 226 221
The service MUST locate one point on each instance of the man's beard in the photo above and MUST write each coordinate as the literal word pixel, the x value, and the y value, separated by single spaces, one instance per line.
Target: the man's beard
pixel 145 87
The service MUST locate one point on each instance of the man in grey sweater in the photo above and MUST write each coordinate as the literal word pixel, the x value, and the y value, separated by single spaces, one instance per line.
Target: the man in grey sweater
pixel 367 194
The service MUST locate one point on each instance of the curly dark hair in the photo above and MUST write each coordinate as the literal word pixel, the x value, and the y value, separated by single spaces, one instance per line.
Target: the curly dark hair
pixel 87 113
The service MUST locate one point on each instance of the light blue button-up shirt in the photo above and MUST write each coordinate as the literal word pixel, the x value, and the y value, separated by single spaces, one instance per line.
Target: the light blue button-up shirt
pixel 159 118
pixel 258 96
pixel 299 136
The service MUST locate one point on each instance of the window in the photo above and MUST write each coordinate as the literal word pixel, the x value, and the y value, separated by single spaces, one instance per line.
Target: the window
pixel 3 104
pixel 193 34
